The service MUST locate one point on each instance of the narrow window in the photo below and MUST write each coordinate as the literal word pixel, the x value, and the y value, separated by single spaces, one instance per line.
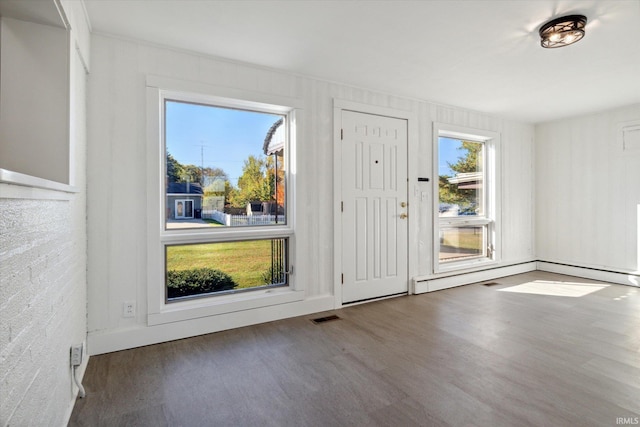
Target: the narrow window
pixel 465 221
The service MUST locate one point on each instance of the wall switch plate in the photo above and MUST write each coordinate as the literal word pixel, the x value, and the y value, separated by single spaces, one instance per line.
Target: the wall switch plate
pixel 129 309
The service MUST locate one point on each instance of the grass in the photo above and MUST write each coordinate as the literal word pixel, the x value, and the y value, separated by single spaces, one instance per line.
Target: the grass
pixel 458 243
pixel 245 262
pixel 463 238
pixel 212 222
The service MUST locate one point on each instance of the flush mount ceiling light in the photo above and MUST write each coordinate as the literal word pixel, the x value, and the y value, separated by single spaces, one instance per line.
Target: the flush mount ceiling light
pixel 563 31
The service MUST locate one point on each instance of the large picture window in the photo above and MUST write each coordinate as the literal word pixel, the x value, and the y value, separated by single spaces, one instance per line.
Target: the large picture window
pixel 465 207
pixel 220 200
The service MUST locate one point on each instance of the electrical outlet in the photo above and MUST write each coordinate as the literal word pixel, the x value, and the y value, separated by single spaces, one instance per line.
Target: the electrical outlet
pixel 129 309
pixel 76 355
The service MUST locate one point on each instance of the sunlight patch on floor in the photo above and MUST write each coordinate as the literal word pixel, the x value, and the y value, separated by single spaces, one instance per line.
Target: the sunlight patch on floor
pixel 629 293
pixel 556 288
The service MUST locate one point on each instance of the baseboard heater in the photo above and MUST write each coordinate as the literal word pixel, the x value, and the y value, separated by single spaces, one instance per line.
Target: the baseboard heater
pixel 430 284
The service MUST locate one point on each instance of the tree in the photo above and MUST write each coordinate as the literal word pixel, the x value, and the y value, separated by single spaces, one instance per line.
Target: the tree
pixel 470 161
pixel 175 170
pixel 275 172
pixel 254 184
pixel 192 173
pixel 229 192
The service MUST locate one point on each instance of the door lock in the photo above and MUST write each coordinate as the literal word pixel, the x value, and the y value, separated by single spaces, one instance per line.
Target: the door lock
pixel 403 205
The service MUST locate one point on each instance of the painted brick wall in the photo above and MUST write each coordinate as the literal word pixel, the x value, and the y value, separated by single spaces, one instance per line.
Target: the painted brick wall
pixel 42 295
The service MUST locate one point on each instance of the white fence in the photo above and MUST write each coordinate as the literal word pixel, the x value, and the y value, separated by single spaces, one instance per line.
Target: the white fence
pixel 240 220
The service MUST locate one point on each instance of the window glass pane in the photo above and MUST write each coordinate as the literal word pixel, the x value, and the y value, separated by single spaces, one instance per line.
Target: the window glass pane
pixel 461 177
pixel 458 243
pixel 214 268
pixel 224 167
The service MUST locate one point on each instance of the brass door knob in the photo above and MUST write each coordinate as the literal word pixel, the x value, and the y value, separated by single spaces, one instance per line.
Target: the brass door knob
pixel 403 216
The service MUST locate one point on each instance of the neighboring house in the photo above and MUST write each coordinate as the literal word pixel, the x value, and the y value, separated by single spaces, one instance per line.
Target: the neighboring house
pixel 273 145
pixel 255 208
pixel 275 139
pixel 263 208
pixel 184 200
pixel 467 180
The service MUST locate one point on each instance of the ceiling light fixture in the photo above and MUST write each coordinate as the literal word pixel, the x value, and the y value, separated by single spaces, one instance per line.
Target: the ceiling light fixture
pixel 563 31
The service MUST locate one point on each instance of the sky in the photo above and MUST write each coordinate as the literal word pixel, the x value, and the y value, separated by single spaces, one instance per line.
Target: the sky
pixel 448 152
pixel 218 137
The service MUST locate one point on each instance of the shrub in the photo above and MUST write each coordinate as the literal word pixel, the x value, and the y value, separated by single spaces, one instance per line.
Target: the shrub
pixel 182 283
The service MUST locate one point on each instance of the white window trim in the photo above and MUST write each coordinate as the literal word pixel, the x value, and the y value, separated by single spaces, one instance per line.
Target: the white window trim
pixel 492 198
pixel 158 310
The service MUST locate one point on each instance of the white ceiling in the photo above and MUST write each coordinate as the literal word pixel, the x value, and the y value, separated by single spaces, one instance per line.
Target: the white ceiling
pixel 478 54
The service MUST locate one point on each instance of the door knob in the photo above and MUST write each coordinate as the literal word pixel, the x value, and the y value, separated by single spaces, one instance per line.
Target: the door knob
pixel 403 205
pixel 403 216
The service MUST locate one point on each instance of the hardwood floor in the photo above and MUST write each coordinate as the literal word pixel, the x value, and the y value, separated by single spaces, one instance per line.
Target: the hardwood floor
pixel 531 350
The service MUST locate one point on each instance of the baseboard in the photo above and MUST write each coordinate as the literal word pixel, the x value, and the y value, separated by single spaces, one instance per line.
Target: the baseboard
pixel 123 339
pixel 622 278
pixel 439 283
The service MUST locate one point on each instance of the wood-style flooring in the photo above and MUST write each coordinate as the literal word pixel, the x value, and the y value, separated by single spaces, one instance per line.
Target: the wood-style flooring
pixel 536 349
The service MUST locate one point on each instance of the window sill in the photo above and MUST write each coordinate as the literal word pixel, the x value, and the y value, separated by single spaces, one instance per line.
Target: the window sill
pixel 216 305
pixel 16 178
pixel 464 266
pixel 14 185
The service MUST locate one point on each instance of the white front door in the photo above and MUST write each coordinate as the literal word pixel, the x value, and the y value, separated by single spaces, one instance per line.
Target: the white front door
pixel 374 206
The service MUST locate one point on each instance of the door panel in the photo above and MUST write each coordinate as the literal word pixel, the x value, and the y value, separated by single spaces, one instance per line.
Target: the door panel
pixel 374 185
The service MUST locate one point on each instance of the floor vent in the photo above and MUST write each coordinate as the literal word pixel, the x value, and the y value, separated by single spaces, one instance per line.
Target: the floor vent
pixel 325 319
pixel 491 284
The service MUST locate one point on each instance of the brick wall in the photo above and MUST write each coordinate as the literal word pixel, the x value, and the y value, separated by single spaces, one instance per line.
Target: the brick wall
pixel 42 307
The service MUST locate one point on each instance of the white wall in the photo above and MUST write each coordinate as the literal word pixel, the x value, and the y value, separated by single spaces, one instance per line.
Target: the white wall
pixel 117 197
pixel 34 83
pixel 588 192
pixel 43 284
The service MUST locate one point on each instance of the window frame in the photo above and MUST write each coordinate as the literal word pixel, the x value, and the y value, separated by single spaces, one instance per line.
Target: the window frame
pixel 490 219
pixel 159 310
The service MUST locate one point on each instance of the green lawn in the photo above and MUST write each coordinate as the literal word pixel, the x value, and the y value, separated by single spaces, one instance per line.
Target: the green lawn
pixel 458 243
pixel 212 222
pixel 462 238
pixel 245 262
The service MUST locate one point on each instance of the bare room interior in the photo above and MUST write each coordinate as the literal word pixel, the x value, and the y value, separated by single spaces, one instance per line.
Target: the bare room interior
pixel 305 213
